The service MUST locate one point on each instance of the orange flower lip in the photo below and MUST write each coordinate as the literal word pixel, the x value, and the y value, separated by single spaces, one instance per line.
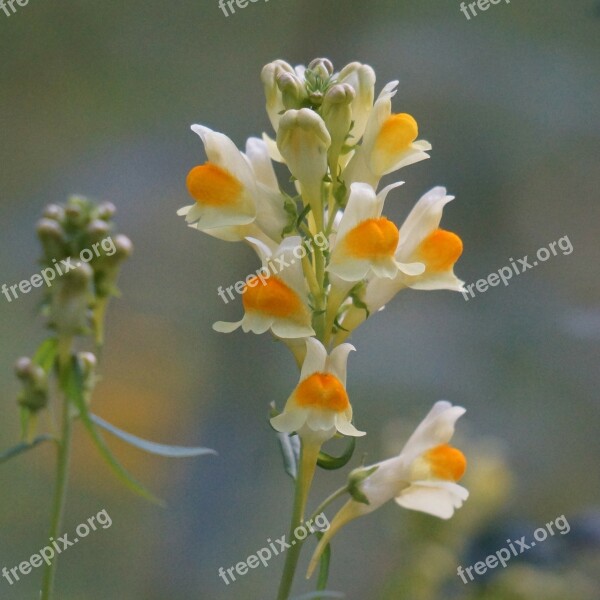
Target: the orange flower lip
pixel 397 133
pixel 371 239
pixel 214 186
pixel 322 390
pixel 447 462
pixel 440 250
pixel 272 297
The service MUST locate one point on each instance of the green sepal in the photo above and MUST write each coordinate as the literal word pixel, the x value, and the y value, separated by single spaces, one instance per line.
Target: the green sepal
pixel 355 479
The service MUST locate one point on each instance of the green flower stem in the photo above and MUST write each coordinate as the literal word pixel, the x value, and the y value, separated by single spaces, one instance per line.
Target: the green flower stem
pixel 62 468
pixel 308 464
pixel 329 500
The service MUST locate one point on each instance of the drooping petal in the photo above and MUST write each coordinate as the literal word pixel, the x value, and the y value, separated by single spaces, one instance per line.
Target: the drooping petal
pixel 437 498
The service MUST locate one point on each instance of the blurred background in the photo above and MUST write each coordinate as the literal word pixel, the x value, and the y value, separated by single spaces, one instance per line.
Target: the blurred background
pixel 97 99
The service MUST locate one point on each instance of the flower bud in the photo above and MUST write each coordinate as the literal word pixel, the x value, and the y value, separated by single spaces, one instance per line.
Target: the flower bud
pixel 34 394
pixel 70 301
pixel 97 230
pixel 107 266
pixel 87 363
pixel 106 211
pixel 303 141
pixel 52 237
pixel 362 79
pixel 321 67
pixel 269 77
pixel 292 89
pixel 337 114
pixel 55 212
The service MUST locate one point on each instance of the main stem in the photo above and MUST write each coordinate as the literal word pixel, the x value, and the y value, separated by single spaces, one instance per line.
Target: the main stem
pixel 308 464
pixel 62 468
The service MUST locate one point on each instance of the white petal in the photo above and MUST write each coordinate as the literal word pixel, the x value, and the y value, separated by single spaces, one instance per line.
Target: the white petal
pixel 184 210
pixel 422 220
pixel 258 155
pixel 338 360
pixel 345 427
pixel 437 498
pixel 287 329
pixel 272 149
pixel 316 357
pixel 256 322
pixel 321 420
pixel 435 429
pixel 362 205
pixel 225 327
pixel 289 420
pixel 350 269
pixel 446 280
pixel 412 269
pixel 412 155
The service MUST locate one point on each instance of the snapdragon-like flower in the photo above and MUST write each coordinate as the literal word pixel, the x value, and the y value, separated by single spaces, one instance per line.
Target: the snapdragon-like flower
pixel 422 477
pixel 420 240
pixel 232 193
pixel 389 142
pixel 276 298
pixel 319 405
pixel 366 243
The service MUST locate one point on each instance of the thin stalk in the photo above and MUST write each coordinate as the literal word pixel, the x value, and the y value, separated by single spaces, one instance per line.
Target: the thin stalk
pixel 62 468
pixel 308 464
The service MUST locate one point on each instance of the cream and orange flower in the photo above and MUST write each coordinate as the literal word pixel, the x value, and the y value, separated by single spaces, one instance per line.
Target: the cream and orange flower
pixel 366 243
pixel 319 405
pixel 389 142
pixel 276 301
pixel 231 202
pixel 422 477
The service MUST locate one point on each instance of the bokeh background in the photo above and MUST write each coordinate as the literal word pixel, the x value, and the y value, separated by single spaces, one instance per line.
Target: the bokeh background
pixel 97 98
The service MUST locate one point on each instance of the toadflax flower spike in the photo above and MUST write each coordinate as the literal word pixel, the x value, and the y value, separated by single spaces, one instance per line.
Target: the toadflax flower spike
pixel 422 477
pixel 319 406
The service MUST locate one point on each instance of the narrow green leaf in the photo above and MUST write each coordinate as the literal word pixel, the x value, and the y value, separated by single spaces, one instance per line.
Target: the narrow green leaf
pixel 290 451
pixel 22 447
pixel 46 354
pixel 151 447
pixel 74 391
pixel 326 461
pixel 323 566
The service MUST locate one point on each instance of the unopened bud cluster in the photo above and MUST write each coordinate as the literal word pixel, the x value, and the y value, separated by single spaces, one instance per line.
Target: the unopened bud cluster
pixel 78 241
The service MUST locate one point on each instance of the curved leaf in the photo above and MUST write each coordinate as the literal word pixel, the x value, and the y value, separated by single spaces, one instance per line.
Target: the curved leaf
pixel 151 447
pixel 24 447
pixel 74 390
pixel 326 461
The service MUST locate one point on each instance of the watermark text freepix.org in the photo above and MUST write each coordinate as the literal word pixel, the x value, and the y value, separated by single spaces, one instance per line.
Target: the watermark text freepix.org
pixel 230 4
pixel 265 272
pixel 506 273
pixel 517 547
pixel 481 5
pixel 264 555
pixel 47 554
pixel 48 275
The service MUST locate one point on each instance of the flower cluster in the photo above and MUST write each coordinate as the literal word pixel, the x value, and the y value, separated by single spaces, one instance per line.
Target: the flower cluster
pixel 338 141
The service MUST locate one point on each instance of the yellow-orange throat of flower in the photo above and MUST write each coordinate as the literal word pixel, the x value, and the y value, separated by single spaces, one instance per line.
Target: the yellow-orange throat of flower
pixel 214 186
pixel 322 390
pixel 273 297
pixel 372 239
pixel 446 462
pixel 397 133
pixel 440 250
